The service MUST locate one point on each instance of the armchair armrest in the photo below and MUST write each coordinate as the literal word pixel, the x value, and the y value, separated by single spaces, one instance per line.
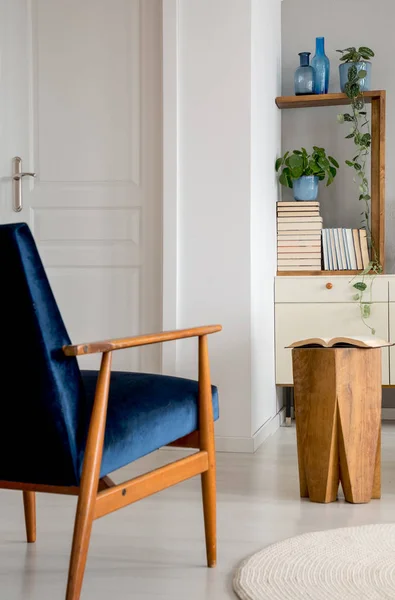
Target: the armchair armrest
pixel 139 340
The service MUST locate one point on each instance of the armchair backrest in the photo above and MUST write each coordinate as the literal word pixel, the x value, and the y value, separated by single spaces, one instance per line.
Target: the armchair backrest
pixel 41 392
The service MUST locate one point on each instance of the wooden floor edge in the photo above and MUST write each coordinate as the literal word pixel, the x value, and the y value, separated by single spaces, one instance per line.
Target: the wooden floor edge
pixel 145 485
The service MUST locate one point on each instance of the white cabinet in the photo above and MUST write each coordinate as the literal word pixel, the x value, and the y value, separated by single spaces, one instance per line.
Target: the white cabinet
pixel 391 313
pixel 306 307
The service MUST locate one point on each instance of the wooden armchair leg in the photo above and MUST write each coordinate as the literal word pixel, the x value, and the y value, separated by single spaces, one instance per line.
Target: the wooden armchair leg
pixel 29 504
pixel 89 482
pixel 206 430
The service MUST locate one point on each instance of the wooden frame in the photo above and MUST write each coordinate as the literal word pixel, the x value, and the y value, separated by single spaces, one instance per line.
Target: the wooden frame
pixel 377 99
pixel 97 498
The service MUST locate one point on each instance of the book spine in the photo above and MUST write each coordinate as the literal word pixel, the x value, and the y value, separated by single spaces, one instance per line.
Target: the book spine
pixel 337 247
pixel 364 248
pixel 297 204
pixel 325 247
pixel 333 250
pixel 346 249
pixel 342 249
pixel 357 247
pixel 299 226
pixel 351 248
pixel 301 219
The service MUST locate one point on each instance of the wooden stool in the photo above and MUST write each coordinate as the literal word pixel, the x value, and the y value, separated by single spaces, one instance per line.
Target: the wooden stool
pixel 338 422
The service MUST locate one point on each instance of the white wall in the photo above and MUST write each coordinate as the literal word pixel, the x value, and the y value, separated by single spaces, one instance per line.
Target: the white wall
pixel 228 136
pixel 265 146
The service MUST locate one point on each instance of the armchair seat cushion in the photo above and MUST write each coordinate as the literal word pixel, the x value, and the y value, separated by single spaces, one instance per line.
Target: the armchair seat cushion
pixel 145 412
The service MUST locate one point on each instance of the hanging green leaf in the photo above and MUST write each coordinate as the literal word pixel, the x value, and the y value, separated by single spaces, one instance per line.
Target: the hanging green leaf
pixel 334 161
pixel 360 285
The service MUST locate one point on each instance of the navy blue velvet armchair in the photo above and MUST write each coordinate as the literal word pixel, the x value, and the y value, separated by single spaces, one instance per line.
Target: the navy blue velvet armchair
pixel 64 429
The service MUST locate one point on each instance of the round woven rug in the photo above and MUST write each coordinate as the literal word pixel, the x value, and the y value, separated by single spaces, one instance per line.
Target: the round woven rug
pixel 355 563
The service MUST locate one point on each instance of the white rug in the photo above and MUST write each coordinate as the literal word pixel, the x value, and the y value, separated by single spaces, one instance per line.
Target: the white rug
pixel 355 563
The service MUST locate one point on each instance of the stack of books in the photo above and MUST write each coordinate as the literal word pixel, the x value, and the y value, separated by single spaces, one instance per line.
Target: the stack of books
pixel 345 249
pixel 299 227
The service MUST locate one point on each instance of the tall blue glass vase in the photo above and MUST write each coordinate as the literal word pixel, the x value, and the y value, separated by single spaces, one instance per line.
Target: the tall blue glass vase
pixel 321 66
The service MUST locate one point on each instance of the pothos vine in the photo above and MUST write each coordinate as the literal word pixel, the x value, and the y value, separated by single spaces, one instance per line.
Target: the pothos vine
pixel 360 134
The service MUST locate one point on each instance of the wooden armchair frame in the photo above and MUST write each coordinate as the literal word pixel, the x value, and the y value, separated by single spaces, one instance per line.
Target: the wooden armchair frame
pixel 97 498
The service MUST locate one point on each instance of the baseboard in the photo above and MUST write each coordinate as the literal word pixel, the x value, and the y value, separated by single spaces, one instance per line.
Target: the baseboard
pixel 244 445
pixel 388 414
pixel 269 428
pixel 249 445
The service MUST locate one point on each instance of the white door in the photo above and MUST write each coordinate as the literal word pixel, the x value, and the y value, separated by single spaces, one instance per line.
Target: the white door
pixel 80 103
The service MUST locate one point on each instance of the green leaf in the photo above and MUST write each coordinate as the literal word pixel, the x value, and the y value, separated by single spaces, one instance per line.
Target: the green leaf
pixel 314 167
pixel 340 118
pixel 349 163
pixel 367 51
pixel 356 297
pixel 285 179
pixel 334 161
pixel 366 311
pixel 297 172
pixel 362 74
pixel 350 135
pixel 279 162
pixel 360 285
pixel 297 152
pixel 332 172
pixel 295 161
pixel 367 197
pixel 323 162
pixel 347 57
pixel 357 166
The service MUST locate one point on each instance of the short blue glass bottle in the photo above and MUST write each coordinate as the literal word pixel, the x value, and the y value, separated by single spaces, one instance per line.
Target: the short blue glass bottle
pixel 321 65
pixel 304 76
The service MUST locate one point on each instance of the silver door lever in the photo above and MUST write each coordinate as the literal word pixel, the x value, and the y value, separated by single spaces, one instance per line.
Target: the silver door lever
pixel 17 176
pixel 20 175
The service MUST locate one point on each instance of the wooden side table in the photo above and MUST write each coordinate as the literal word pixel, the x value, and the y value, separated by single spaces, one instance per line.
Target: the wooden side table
pixel 338 422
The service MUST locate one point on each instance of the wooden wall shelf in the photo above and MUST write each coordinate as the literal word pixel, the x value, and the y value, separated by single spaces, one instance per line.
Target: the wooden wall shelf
pixel 324 99
pixel 377 99
pixel 316 273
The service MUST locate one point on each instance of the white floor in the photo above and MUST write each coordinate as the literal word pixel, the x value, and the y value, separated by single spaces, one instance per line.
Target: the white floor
pixel 154 550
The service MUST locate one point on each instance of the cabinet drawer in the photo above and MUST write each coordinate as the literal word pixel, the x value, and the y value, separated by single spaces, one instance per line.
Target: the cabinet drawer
pixel 298 321
pixel 336 288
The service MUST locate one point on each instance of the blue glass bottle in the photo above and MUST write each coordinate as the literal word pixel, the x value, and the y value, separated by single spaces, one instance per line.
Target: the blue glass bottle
pixel 321 66
pixel 304 76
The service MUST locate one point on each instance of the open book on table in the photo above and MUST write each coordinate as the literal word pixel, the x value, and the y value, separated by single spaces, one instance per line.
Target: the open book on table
pixel 341 342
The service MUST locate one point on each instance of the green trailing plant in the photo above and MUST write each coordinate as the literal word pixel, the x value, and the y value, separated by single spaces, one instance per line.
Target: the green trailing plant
pixel 300 163
pixel 360 134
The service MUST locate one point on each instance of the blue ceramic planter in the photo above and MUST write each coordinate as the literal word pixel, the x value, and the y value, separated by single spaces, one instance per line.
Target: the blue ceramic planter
pixel 365 83
pixel 306 188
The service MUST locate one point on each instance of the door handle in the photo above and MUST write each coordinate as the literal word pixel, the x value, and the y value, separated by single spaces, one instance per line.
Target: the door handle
pixel 17 176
